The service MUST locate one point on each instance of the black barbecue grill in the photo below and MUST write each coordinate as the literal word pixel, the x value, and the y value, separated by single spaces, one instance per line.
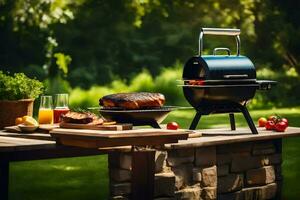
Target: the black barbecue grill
pixel 221 83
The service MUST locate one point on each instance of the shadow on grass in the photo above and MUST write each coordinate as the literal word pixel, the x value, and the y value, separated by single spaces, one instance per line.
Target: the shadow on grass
pixel 72 178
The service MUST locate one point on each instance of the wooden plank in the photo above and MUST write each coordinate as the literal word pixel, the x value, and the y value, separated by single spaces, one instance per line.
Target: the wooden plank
pixel 38 136
pixel 113 127
pixel 87 142
pixel 225 136
pixel 116 134
pixel 14 144
pixel 143 169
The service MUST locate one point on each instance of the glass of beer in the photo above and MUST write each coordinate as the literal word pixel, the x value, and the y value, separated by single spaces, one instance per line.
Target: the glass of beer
pixel 46 111
pixel 61 106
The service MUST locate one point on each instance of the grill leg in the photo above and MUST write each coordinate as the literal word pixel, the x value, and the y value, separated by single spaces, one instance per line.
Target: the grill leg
pixel 249 119
pixel 195 121
pixel 232 121
pixel 154 124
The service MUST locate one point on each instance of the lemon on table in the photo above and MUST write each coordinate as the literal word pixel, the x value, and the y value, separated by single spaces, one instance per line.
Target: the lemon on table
pixel 30 121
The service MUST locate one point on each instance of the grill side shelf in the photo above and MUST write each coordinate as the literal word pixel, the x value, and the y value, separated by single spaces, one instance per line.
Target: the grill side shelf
pixel 266 84
pixel 220 86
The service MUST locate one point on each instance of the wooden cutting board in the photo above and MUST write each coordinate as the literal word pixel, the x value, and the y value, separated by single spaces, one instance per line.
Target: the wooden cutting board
pixel 113 127
pixel 102 138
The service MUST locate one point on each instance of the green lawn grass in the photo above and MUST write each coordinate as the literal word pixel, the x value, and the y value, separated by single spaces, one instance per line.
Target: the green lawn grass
pixel 86 177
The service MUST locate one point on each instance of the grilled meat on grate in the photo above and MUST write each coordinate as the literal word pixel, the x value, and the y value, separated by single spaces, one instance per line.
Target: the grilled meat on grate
pixel 135 100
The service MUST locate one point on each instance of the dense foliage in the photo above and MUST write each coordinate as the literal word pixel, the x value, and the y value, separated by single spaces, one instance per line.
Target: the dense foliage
pixel 19 86
pixel 85 43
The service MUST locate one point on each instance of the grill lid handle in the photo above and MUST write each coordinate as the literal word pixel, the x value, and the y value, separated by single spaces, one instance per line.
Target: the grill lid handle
pixel 221 49
pixel 220 31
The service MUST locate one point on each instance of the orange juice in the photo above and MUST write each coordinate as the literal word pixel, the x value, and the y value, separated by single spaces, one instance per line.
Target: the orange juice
pixel 45 116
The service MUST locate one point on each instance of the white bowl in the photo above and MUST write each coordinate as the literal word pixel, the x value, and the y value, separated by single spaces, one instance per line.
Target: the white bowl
pixel 27 128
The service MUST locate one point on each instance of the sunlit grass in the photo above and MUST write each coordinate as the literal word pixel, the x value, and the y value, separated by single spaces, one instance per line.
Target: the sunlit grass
pixel 86 178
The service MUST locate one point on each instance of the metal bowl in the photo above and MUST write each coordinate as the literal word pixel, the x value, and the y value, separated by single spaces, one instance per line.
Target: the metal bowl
pixel 152 117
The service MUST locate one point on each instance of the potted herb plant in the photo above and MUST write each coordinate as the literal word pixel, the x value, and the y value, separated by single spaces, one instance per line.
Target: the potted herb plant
pixel 17 94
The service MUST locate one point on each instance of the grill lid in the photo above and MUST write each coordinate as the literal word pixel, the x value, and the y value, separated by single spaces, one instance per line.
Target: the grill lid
pixel 219 68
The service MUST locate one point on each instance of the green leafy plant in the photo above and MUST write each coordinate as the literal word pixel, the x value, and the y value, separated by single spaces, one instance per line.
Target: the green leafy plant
pixel 19 86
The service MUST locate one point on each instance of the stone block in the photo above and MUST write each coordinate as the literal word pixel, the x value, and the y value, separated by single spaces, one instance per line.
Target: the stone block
pixel 209 193
pixel 222 170
pixel 119 160
pixel 178 157
pixel 119 198
pixel 205 156
pixel 125 161
pixel 114 160
pixel 269 191
pixel 260 193
pixel 251 193
pixel 241 163
pixel 278 173
pixel 265 160
pixel 186 152
pixel 183 175
pixel 209 177
pixel 275 159
pixel 263 148
pixel 164 185
pixel 176 161
pixel 160 161
pixel 231 196
pixel 244 147
pixel 120 175
pixel 230 183
pixel 263 151
pixel 261 176
pixel 223 159
pixel 120 189
pixel 189 193
pixel 197 176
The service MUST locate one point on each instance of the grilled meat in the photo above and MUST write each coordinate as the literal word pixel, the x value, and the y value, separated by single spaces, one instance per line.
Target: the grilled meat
pixel 81 118
pixel 135 100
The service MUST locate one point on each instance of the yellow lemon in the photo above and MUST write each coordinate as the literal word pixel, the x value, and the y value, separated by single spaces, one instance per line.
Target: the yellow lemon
pixel 30 121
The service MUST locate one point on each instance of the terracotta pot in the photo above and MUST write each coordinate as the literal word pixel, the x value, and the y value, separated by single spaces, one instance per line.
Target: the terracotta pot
pixel 10 110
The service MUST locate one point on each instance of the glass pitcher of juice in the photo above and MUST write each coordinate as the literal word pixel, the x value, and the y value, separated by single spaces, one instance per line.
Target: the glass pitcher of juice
pixel 46 111
pixel 61 106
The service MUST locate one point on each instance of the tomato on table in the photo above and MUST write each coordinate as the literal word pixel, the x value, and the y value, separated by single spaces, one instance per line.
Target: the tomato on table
pixel 262 122
pixel 281 126
pixel 273 118
pixel 270 125
pixel 285 120
pixel 172 126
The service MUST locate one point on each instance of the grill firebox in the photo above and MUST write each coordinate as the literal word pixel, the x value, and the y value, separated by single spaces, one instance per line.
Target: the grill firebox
pixel 221 83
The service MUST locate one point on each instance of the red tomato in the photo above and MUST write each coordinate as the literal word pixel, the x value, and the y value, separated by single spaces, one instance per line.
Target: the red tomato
pixel 273 118
pixel 172 126
pixel 270 125
pixel 262 122
pixel 281 126
pixel 284 120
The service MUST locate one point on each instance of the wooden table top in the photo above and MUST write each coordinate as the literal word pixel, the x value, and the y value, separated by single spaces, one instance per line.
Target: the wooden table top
pixel 20 141
pixel 9 144
pixel 221 136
